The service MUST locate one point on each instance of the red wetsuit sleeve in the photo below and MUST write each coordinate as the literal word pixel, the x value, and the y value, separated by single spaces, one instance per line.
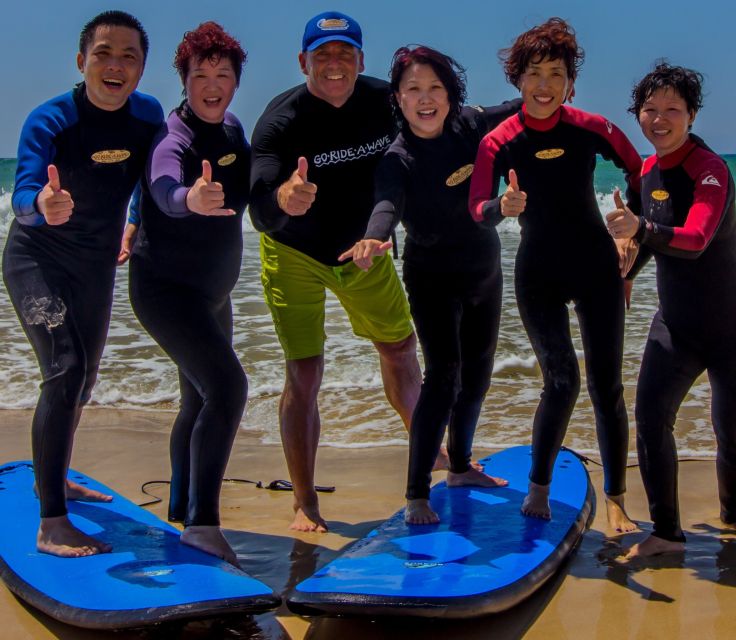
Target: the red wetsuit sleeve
pixel 483 203
pixel 709 203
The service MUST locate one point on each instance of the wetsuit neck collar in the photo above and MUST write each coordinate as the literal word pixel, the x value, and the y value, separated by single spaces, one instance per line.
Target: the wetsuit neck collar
pixel 186 113
pixel 544 124
pixel 86 106
pixel 677 156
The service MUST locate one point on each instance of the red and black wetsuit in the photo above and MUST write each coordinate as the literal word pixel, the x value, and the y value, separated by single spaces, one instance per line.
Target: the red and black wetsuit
pixel 565 254
pixel 688 223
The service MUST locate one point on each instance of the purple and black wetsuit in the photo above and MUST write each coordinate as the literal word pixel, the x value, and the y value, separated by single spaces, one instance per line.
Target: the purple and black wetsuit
pixel 688 223
pixel 60 277
pixel 182 270
pixel 565 254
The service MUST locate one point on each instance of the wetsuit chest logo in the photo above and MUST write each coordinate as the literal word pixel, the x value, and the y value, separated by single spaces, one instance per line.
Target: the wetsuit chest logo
pixel 460 176
pixel 549 154
pixel 111 156
pixel 226 160
pixel 660 194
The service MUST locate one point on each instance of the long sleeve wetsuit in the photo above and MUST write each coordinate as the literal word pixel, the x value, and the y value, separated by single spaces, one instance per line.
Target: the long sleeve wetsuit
pixel 565 254
pixel 182 271
pixel 60 277
pixel 688 223
pixel 452 273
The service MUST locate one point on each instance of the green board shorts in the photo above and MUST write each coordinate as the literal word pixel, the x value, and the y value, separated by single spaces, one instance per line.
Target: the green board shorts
pixel 294 287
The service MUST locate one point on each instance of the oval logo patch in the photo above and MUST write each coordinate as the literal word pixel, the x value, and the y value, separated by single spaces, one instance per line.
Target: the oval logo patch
pixel 226 160
pixel 549 154
pixel 660 194
pixel 461 175
pixel 111 156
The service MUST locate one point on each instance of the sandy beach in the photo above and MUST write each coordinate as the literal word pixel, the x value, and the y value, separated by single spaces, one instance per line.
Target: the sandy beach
pixel 693 595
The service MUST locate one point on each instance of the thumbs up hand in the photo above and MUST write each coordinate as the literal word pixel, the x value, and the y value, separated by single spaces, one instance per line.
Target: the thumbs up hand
pixel 297 194
pixel 205 197
pixel 513 202
pixel 52 202
pixel 622 222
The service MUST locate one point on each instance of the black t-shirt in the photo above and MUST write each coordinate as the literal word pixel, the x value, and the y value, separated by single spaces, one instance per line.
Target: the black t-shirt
pixel 342 146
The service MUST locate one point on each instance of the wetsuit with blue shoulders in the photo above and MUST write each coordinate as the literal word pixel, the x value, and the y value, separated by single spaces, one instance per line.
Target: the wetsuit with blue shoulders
pixel 60 277
pixel 688 223
pixel 565 254
pixel 452 273
pixel 183 268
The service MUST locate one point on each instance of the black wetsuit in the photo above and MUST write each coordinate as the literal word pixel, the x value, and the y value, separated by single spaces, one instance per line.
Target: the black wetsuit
pixel 182 271
pixel 60 277
pixel 688 223
pixel 565 254
pixel 342 146
pixel 452 272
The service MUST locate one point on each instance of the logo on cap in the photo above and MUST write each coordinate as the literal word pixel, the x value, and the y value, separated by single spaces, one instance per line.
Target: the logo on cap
pixel 660 194
pixel 333 24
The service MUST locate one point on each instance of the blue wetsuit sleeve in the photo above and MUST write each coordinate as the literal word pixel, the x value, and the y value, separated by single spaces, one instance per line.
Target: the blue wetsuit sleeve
pixel 134 211
pixel 165 172
pixel 36 151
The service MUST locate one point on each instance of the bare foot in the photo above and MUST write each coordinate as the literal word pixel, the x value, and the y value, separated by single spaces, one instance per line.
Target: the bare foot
pixel 79 492
pixel 59 537
pixel 210 540
pixel 442 463
pixel 617 518
pixel 536 503
pixel 419 512
pixel 473 477
pixel 308 518
pixel 654 546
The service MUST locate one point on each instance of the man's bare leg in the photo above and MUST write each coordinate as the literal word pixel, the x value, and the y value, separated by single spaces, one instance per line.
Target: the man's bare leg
pixel 402 380
pixel 617 517
pixel 654 546
pixel 210 540
pixel 300 427
pixel 59 537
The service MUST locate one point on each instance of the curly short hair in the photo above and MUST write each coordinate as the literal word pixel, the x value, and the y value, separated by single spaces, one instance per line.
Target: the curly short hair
pixel 209 41
pixel 688 84
pixel 448 70
pixel 555 40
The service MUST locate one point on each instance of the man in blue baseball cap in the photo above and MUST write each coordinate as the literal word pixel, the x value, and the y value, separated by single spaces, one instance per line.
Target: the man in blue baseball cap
pixel 315 150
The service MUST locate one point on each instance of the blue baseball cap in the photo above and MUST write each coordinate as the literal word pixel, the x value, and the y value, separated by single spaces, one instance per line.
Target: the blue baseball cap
pixel 329 26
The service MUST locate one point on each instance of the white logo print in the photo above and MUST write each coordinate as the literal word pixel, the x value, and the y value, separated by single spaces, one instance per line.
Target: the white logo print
pixel 609 127
pixel 711 179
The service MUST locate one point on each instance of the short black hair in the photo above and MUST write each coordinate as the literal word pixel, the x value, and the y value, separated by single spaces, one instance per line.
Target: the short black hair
pixel 688 84
pixel 112 19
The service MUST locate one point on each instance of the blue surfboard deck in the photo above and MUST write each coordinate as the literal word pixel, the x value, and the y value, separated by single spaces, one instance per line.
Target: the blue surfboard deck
pixel 150 577
pixel 483 557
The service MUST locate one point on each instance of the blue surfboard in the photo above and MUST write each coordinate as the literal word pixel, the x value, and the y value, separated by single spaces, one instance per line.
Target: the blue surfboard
pixel 149 577
pixel 483 557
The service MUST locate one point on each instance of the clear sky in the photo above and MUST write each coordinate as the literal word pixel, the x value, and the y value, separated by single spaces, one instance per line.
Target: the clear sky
pixel 621 38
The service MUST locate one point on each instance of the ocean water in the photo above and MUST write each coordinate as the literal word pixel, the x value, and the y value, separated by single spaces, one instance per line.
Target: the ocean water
pixel 136 374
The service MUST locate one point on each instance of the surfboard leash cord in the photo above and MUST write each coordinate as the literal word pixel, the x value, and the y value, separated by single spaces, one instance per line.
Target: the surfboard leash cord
pixel 274 485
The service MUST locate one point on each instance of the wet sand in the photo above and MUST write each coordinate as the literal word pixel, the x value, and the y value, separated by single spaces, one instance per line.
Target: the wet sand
pixel 692 595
